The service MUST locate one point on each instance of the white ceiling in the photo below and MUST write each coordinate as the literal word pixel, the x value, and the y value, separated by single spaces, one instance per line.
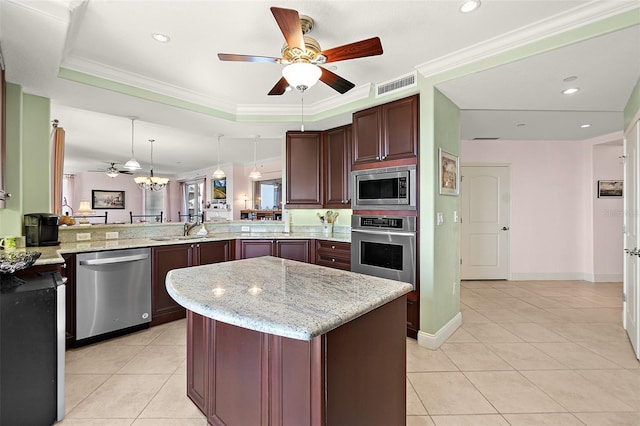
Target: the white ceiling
pixel 196 97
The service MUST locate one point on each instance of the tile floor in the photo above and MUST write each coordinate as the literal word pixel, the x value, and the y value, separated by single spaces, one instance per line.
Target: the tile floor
pixel 528 353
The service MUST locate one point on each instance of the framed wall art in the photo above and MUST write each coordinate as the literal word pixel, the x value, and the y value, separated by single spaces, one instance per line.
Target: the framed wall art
pixel 219 189
pixel 610 188
pixel 449 173
pixel 107 199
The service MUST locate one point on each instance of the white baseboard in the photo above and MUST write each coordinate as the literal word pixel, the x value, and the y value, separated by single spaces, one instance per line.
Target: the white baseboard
pixel 433 341
pixel 565 276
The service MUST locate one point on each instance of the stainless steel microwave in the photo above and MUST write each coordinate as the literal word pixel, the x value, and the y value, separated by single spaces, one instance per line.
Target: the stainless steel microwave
pixel 390 188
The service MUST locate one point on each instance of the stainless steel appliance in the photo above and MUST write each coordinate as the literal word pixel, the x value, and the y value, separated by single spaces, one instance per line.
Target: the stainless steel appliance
pixel 41 229
pixel 384 246
pixel 32 351
pixel 113 291
pixel 390 188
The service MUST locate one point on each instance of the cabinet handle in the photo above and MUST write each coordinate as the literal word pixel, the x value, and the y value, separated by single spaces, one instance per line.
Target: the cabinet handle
pixel 198 245
pixel 333 260
pixel 384 157
pixel 333 247
pixel 377 157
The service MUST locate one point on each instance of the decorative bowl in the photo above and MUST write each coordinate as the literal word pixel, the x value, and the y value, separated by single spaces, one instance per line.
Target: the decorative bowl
pixel 13 261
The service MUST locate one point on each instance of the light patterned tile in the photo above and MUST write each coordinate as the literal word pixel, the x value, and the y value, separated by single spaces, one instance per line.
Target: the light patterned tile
pixel 574 356
pixel 78 386
pixel 102 359
pixel 525 356
pixel 474 357
pixel 550 419
pixel 95 422
pixel 471 420
pixel 423 359
pixel 414 405
pixel 172 402
pixel 419 421
pixel 490 333
pixel 449 393
pixel 532 332
pixel 610 419
pixel 461 336
pixel 155 360
pixel 624 384
pixel 510 392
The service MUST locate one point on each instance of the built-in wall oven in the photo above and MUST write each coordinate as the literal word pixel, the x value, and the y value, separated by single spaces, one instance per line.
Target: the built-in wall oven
pixel 389 188
pixel 384 246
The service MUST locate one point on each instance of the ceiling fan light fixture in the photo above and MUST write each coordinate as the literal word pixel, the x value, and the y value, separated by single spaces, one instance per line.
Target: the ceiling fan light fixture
pixel 112 173
pixel 301 75
pixel 469 6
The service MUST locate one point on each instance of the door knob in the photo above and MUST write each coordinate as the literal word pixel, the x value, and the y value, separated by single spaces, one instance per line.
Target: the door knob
pixel 504 228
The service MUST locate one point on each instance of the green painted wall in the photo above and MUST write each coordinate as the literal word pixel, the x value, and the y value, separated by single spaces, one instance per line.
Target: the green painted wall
pixel 439 245
pixel 632 107
pixel 28 158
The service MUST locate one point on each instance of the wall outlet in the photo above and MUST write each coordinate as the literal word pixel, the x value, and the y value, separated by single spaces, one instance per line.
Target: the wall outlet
pixel 111 235
pixel 456 218
pixel 84 236
pixel 246 229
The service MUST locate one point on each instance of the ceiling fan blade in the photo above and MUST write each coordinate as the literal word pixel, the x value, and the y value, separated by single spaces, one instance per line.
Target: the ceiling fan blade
pixel 280 87
pixel 247 58
pixel 289 22
pixel 359 49
pixel 335 81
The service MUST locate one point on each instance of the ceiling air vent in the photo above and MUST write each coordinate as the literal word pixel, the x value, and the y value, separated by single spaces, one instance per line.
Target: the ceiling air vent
pixel 392 86
pixel 485 139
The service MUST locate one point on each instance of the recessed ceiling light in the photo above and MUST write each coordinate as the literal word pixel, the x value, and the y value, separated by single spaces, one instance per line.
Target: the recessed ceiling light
pixel 584 126
pixel 162 38
pixel 570 78
pixel 570 90
pixel 469 6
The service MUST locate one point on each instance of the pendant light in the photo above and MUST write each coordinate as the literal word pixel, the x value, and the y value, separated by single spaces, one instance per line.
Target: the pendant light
pixel 255 174
pixel 219 173
pixel 132 164
pixel 151 183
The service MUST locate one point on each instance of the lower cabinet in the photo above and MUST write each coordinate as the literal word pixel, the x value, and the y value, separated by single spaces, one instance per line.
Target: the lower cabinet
pixel 166 258
pixel 333 254
pixel 300 250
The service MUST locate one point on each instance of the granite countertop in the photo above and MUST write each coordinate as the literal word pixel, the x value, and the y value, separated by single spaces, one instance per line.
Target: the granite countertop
pixel 53 254
pixel 279 296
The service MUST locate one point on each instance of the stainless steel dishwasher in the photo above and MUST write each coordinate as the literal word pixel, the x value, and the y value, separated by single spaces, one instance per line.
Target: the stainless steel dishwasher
pixel 113 291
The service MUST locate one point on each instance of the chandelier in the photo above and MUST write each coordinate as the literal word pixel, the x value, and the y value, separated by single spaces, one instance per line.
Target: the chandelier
pixel 151 182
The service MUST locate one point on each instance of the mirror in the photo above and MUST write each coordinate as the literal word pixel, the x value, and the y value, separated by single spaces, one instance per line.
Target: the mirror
pixel 267 194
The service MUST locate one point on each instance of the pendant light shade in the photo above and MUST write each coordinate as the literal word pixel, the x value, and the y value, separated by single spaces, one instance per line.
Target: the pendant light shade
pixel 219 173
pixel 151 183
pixel 132 164
pixel 255 173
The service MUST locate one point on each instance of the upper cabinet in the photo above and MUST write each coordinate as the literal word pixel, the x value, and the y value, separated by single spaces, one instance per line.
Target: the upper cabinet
pixel 337 167
pixel 304 170
pixel 386 132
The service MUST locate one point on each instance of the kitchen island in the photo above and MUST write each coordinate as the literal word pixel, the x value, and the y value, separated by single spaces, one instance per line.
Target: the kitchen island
pixel 274 341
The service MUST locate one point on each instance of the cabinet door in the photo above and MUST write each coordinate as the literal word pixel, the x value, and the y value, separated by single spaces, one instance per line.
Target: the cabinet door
pixel 400 129
pixel 212 252
pixel 299 250
pixel 304 169
pixel 337 159
pixel 366 136
pixel 197 359
pixel 164 259
pixel 69 271
pixel 246 249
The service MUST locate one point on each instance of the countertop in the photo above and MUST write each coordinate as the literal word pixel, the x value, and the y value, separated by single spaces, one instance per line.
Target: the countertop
pixel 280 296
pixel 53 254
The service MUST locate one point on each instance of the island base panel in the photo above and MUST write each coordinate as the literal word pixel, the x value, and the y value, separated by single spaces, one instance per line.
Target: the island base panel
pixel 355 374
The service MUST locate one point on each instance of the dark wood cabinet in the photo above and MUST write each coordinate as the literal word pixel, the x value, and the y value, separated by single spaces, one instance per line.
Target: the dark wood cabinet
pixel 333 254
pixel 337 167
pixel 386 132
pixel 304 169
pixel 238 376
pixel 69 271
pixel 166 258
pixel 299 250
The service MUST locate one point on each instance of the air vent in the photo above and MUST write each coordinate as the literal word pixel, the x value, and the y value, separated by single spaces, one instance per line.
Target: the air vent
pixel 485 139
pixel 392 86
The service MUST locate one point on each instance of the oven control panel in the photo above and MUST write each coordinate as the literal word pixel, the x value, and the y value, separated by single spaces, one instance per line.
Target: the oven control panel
pixel 391 223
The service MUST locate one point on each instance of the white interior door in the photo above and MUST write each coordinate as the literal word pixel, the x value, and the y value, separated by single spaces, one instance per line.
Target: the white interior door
pixel 485 193
pixel 631 238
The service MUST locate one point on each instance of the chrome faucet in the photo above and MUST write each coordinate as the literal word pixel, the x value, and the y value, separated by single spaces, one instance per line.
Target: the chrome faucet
pixel 188 226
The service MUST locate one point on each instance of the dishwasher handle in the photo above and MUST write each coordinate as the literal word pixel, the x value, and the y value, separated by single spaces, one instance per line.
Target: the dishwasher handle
pixel 112 260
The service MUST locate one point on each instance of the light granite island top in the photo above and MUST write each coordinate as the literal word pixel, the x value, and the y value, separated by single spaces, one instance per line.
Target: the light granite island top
pixel 279 296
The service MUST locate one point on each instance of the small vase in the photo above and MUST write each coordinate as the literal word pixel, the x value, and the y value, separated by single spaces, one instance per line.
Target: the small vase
pixel 327 228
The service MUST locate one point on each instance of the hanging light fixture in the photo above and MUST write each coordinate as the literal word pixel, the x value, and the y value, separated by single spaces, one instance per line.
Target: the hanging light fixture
pixel 218 173
pixel 255 174
pixel 132 164
pixel 112 171
pixel 151 183
pixel 301 75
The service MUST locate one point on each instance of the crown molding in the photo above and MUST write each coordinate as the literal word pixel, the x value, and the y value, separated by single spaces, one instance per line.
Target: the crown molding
pixel 576 17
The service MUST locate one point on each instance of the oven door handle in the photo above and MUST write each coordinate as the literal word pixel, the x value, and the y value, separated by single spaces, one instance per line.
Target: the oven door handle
pixel 400 233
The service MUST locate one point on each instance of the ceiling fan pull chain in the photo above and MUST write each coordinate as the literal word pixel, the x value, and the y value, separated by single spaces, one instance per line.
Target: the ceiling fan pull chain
pixel 302 112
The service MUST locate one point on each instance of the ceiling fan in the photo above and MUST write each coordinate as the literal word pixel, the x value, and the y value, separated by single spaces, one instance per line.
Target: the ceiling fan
pixel 303 55
pixel 112 171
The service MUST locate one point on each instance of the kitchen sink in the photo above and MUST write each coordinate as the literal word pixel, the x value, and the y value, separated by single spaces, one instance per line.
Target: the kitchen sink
pixel 178 238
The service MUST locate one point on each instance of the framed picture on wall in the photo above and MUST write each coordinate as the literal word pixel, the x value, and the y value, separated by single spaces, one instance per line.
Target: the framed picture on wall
pixel 449 173
pixel 219 189
pixel 107 199
pixel 610 188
